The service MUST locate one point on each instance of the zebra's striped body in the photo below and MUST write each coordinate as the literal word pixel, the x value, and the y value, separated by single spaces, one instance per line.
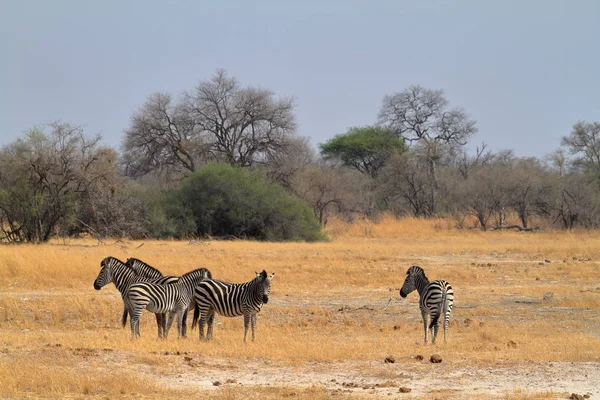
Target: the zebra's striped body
pixel 123 276
pixel 174 299
pixel 435 299
pixel 230 300
pixel 155 276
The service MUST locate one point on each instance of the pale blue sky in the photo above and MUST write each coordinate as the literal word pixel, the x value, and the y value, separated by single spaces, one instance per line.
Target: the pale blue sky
pixel 525 70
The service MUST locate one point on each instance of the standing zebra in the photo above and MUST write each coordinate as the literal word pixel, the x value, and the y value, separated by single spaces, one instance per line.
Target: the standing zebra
pixel 144 269
pixel 231 300
pixel 122 275
pixel 174 298
pixel 435 299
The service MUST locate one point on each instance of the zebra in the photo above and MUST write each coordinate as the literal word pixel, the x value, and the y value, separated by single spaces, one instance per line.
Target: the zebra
pixel 144 269
pixel 230 300
pixel 435 298
pixel 174 298
pixel 122 275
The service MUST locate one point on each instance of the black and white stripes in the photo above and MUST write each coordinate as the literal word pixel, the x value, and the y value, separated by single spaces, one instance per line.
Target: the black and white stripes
pixel 231 300
pixel 174 298
pixel 435 299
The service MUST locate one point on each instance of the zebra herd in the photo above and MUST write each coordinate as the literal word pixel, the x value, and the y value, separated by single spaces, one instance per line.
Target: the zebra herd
pixel 143 287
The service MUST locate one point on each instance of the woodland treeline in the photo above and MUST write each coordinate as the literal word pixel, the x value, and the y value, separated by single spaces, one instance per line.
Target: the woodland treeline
pixel 224 160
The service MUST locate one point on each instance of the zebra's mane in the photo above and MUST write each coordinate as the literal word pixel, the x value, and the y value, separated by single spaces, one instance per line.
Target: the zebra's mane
pixel 417 271
pixel 131 260
pixel 120 263
pixel 108 259
pixel 198 272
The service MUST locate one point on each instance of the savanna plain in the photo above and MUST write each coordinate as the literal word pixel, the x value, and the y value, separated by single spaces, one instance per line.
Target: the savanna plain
pixel 525 324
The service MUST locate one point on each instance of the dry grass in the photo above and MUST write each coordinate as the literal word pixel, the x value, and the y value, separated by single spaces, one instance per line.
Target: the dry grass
pixel 61 338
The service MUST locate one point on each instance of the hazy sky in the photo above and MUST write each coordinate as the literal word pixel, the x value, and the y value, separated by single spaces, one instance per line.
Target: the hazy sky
pixel 525 70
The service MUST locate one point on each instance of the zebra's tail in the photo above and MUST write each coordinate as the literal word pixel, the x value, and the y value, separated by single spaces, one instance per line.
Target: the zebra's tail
pixel 124 319
pixel 196 315
pixel 441 311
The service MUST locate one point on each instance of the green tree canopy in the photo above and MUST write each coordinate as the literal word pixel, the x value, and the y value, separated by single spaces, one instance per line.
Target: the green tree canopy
pixel 228 201
pixel 365 148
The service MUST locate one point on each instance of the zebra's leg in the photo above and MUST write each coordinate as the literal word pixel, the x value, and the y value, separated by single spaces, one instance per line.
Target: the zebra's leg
pixel 134 321
pixel 202 323
pixel 246 324
pixel 211 322
pixel 425 316
pixel 164 320
pixel 253 321
pixel 434 332
pixel 181 314
pixel 184 323
pixel 170 322
pixel 160 324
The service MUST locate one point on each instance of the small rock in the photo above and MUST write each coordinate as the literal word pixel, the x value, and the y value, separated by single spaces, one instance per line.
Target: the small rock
pixel 586 396
pixel 547 261
pixel 512 344
pixel 389 360
pixel 537 278
pixel 436 358
pixel 230 381
pixel 216 383
pixel 468 322
pixel 576 396
pixel 541 263
pixel 396 327
pixel 405 390
pixel 186 358
pixel 419 357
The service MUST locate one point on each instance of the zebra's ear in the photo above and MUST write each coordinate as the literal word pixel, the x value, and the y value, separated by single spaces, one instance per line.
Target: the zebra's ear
pixel 271 276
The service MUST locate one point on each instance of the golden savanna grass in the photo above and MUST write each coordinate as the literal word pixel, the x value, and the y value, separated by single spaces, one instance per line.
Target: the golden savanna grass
pixel 520 297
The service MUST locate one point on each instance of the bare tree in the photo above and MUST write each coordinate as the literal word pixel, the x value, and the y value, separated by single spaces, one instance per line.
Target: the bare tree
pixel 422 116
pixel 405 186
pixel 584 144
pixel 284 164
pixel 163 137
pixel 245 125
pixel 332 190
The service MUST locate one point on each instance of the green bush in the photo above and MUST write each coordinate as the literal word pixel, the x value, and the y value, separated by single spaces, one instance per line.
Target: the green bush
pixel 226 201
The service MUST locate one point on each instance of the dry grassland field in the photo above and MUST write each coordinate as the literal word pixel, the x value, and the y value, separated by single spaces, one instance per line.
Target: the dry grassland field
pixel 525 324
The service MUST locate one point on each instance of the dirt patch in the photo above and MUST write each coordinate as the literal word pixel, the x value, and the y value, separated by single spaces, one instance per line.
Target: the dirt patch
pixel 377 378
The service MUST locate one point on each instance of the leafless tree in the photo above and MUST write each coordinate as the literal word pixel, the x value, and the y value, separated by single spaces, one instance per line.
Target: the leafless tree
pixel 244 125
pixel 584 144
pixel 558 161
pixel 422 116
pixel 163 137
pixel 284 164
pixel 333 190
pixel 405 186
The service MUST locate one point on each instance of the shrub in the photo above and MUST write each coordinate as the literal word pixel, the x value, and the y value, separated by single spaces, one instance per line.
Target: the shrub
pixel 228 201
